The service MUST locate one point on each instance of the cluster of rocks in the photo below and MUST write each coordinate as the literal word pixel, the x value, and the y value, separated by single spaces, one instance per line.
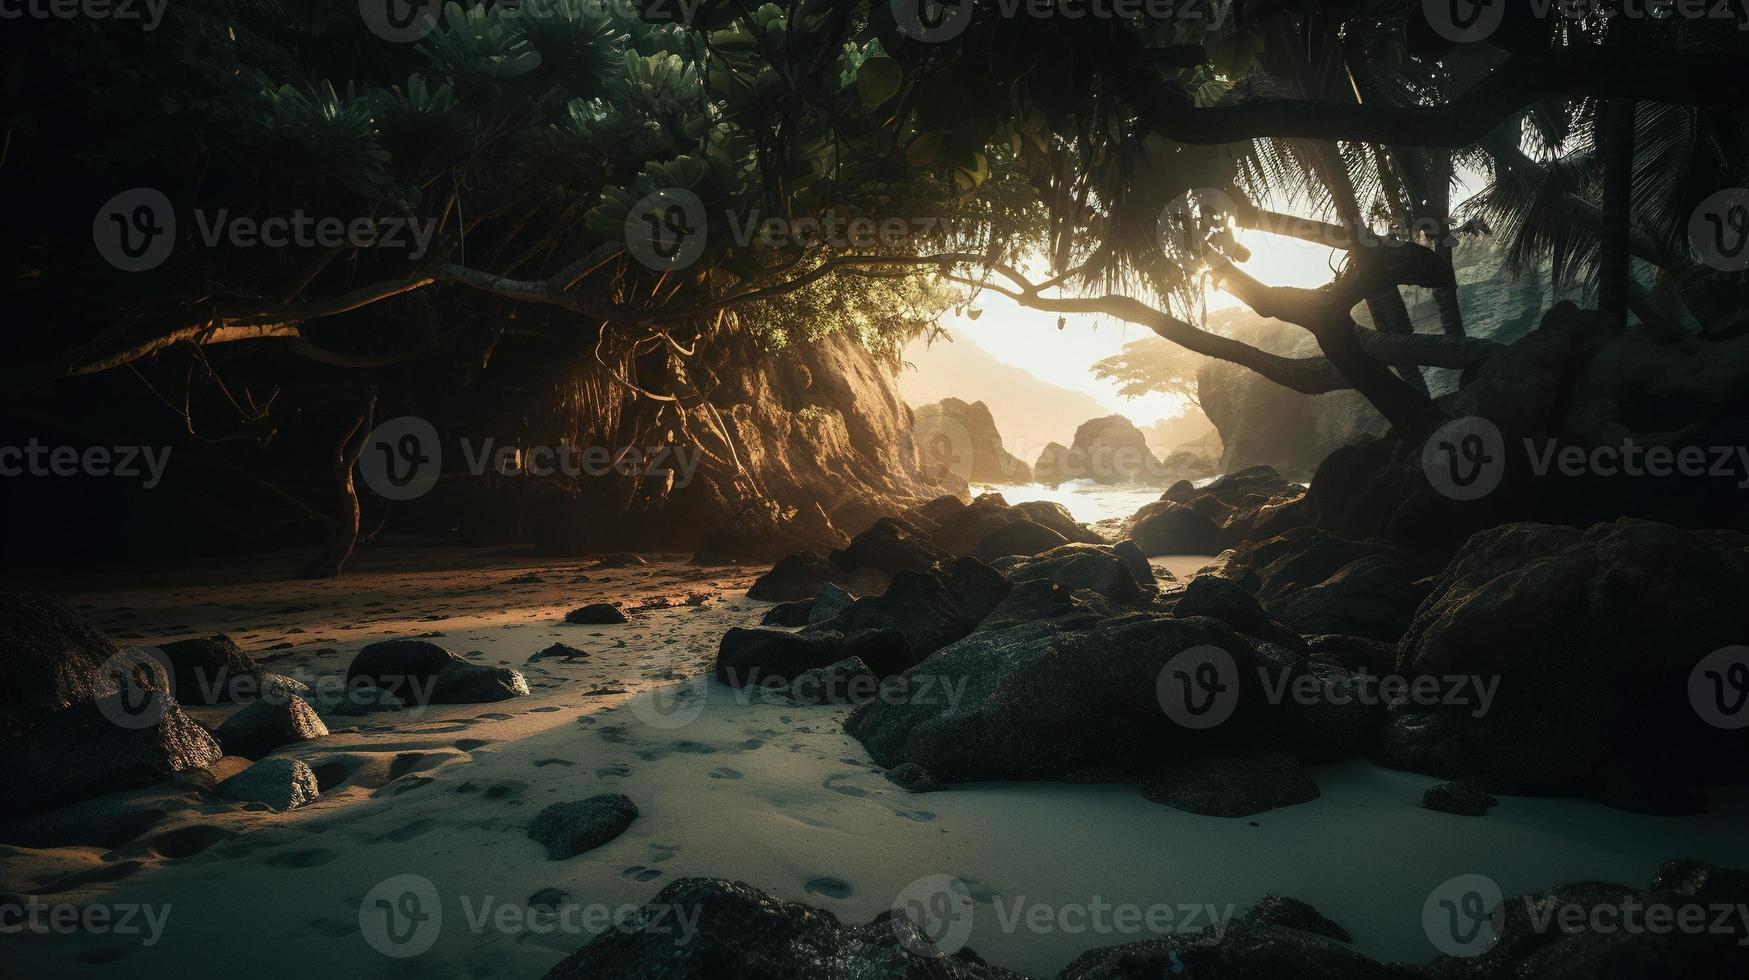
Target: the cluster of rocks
pixel 742 931
pixel 1238 507
pixel 81 717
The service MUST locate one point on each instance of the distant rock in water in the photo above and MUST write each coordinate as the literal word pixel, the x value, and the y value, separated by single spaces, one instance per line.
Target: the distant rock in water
pixel 959 438
pixel 1107 450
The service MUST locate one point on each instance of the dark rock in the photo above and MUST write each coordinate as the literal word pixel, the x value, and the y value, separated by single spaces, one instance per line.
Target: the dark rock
pixel 795 577
pixel 1340 719
pixel 203 670
pixel 913 778
pixel 828 602
pixel 1078 566
pixel 1021 537
pixel 1242 951
pixel 405 668
pixel 284 784
pixel 788 614
pixel 890 546
pixel 770 658
pixel 1231 786
pixel 461 682
pixel 82 751
pixel 568 829
pixel 1459 798
pixel 1238 507
pixel 1057 517
pixel 267 725
pixel 1039 599
pixel 938 510
pixel 960 532
pixel 596 614
pixel 1037 700
pixel 1369 597
pixel 1354 654
pixel 1594 638
pixel 745 932
pixel 848 681
pixel 1227 601
pixel 931 609
pixel 1140 568
pixel 51 660
pixel 962 439
pixel 1291 913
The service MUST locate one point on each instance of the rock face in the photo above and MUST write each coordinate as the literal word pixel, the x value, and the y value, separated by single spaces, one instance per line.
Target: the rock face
pixel 82 751
pixel 961 439
pixel 284 784
pixel 269 724
pixel 744 932
pixel 569 829
pixel 846 682
pixel 773 658
pixel 929 609
pixel 1238 507
pixel 51 660
pixel 1599 640
pixel 1108 450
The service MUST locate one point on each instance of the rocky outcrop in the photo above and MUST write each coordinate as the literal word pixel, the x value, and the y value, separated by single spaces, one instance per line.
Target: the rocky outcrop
pixel 960 439
pixel 98 746
pixel 1107 450
pixel 1599 641
pixel 1321 583
pixel 774 658
pixel 421 672
pixel 283 784
pixel 929 609
pixel 1238 507
pixel 269 724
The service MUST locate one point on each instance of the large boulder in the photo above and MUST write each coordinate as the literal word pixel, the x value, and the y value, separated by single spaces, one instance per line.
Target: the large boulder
pixel 796 577
pixel 775 658
pixel 100 745
pixel 407 669
pixel 962 439
pixel 1106 450
pixel 460 682
pixel 1369 597
pixel 1097 568
pixel 703 929
pixel 1600 642
pixel 210 670
pixel 1239 785
pixel 1022 537
pixel 930 609
pixel 283 784
pixel 889 546
pixel 1038 700
pixel 50 660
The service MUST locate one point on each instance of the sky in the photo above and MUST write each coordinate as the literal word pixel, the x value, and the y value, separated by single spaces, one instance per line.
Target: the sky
pixel 1029 339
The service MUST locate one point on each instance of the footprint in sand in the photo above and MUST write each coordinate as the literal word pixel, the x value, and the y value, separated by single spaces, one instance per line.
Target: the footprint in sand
pixel 663 853
pixel 838 783
pixel 543 763
pixel 417 828
pixel 617 769
pixel 313 857
pixel 921 816
pixel 829 888
pixel 548 899
pixel 638 872
pixel 724 772
pixel 470 744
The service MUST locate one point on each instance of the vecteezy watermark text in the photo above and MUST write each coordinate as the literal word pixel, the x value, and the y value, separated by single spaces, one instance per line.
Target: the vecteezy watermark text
pixel 148 13
pixel 31 915
pixel 34 458
pixel 1466 458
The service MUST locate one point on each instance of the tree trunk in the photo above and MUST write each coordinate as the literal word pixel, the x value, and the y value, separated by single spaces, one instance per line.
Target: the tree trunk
pixel 1410 412
pixel 346 453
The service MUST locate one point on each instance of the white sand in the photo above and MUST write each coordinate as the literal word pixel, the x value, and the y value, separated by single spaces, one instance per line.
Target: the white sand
pixel 772 794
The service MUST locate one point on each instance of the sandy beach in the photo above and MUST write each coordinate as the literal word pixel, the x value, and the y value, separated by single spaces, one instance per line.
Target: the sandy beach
pixel 732 785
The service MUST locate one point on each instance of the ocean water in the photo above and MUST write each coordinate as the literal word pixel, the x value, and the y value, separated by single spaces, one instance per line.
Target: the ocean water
pixel 1087 501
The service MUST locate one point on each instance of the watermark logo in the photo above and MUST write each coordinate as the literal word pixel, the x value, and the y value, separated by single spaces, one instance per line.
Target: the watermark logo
pixel 1459 916
pixel 149 13
pixel 135 230
pixel 401 916
pixel 1719 230
pixel 1464 21
pixel 1465 458
pixel 944 450
pixel 932 21
pixel 667 229
pixel 399 21
pixel 1199 687
pixel 673 706
pixel 1719 688
pixel 132 687
pixel 941 908
pixel 402 459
